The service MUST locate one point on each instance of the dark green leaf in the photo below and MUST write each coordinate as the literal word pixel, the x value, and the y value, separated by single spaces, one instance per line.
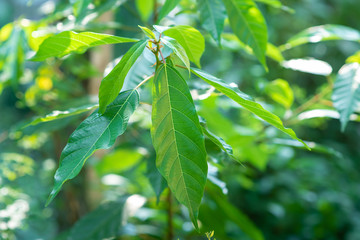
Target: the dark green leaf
pixel 212 17
pixel 157 181
pixel 69 42
pixel 168 6
pixel 323 33
pixel 249 25
pixel 95 132
pixel 217 140
pixel 190 39
pixel 112 84
pixel 346 95
pixel 244 101
pixel 178 139
pixel 102 223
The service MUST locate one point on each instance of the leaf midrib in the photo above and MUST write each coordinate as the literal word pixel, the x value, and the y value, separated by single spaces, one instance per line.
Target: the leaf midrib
pixel 176 146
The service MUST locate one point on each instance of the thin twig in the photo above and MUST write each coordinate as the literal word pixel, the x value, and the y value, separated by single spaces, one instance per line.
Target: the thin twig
pixel 144 81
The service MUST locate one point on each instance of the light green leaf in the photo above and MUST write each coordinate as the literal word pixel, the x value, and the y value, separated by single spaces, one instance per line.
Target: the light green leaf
pixel 168 6
pixel 56 115
pixel 280 91
pixel 12 57
pixel 112 84
pixel 212 17
pixel 177 49
pixel 218 141
pixel 68 42
pixel 95 132
pixel 145 8
pixel 274 53
pixel 346 94
pixel 276 4
pixel 323 33
pixel 147 32
pixel 178 139
pixel 245 102
pixel 249 25
pixel 103 223
pixel 111 163
pixel 191 40
pixel 312 66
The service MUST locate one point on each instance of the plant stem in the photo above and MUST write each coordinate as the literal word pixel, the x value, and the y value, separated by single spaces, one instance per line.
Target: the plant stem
pixel 155 11
pixel 170 233
pixel 144 81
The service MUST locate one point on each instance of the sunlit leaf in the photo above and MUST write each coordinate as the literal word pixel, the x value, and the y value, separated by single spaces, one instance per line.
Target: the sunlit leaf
pixel 168 6
pixel 190 39
pixel 56 115
pixel 212 17
pixel 98 131
pixel 279 90
pixel 103 223
pixel 323 33
pixel 145 8
pixel 112 84
pixel 178 139
pixel 68 42
pixel 346 94
pixel 324 113
pixel 276 4
pixel 245 102
pixel 177 49
pixel 118 161
pixel 147 32
pixel 313 66
pixel 249 25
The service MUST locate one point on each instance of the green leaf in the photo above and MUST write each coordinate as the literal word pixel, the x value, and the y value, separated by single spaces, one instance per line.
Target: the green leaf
pixel 245 102
pixel 157 181
pixel 145 8
pixel 95 132
pixel 312 66
pixel 212 17
pixel 68 42
pixel 102 223
pixel 112 84
pixel 191 40
pixel 177 49
pixel 280 91
pixel 323 33
pixel 249 25
pixel 218 141
pixel 12 55
pixel 147 32
pixel 56 115
pixel 346 94
pixel 111 163
pixel 235 215
pixel 178 139
pixel 276 4
pixel 168 6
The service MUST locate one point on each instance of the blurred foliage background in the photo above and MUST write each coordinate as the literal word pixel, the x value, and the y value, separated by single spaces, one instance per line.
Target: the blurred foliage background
pixel 280 191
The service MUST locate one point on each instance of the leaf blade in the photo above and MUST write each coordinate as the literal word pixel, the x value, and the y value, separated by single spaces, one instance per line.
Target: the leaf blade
pixel 95 132
pixel 168 6
pixel 245 101
pixel 212 17
pixel 177 49
pixel 249 26
pixel 178 139
pixel 190 39
pixel 346 93
pixel 112 84
pixel 68 42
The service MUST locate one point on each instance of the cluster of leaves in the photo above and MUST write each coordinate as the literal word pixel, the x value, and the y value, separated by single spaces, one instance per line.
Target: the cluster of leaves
pixel 182 140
